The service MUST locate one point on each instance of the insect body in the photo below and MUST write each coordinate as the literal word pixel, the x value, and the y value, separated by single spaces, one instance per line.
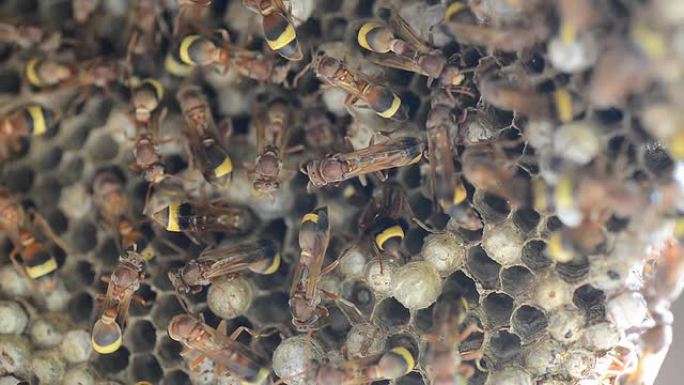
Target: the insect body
pixel 231 356
pixel 146 100
pixel 376 158
pixel 261 257
pixel 409 52
pixel 206 147
pixel 198 217
pixel 384 222
pixel 380 99
pixel 448 190
pixel 279 30
pixel 121 287
pixel 314 236
pixel 272 138
pixel 29 120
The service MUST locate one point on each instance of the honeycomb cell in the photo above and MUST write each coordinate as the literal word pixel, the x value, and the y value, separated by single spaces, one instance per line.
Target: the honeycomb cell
pixel 503 243
pixel 365 339
pixel 148 295
pixel 534 255
pixel 492 208
pixel 166 307
pixel 84 237
pixel 459 283
pixel 81 375
pixel 169 351
pixel 565 324
pixel 543 357
pixel 413 378
pixel 509 376
pixel 141 336
pixel 498 308
pixel 294 357
pixel 592 301
pixel 526 219
pixel 516 280
pixel 444 251
pixel 13 318
pixel 48 331
pixel 504 347
pixel 417 285
pixel 579 363
pixel 353 260
pixel 47 368
pixel 80 307
pixel 391 313
pixel 146 368
pixel 18 180
pixel 112 363
pixel 360 294
pixel 72 170
pixel 414 240
pixel 379 276
pixel 176 377
pixel 484 269
pixel 574 270
pixel 529 322
pixel 230 298
pixel 15 354
pixel 271 308
pixel 76 346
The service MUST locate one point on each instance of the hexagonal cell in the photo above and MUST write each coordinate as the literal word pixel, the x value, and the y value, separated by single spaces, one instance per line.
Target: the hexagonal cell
pixel 176 377
pixel 391 313
pixel 169 351
pixel 592 301
pixel 575 270
pixel 146 293
pixel 414 240
pixel 358 293
pixel 49 160
pixel 483 268
pixel 166 307
pixel 141 336
pixel 102 148
pixel 112 363
pixel 84 237
pixel 80 307
pixel 420 205
pixel 84 273
pixel 72 170
pixel 108 252
pixel 18 180
pixel 56 219
pixel 498 308
pixel 460 284
pixel 534 255
pixel 145 367
pixel 491 207
pixel 413 378
pixel 657 160
pixel 503 347
pixel 271 308
pixel 526 219
pixel 516 280
pixel 529 322
pixel 48 190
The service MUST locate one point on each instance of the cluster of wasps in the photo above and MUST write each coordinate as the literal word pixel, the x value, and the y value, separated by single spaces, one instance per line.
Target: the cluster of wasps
pixel 586 195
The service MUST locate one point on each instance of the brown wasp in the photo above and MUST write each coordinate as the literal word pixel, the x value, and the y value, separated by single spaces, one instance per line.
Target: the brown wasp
pixel 410 53
pixel 121 287
pixel 305 297
pixel 29 36
pixel 261 256
pixel 196 217
pixel 272 134
pixel 199 50
pixel 28 120
pixel 336 73
pixel 448 190
pixel 207 151
pixel 442 358
pixel 375 158
pixel 229 355
pixel 278 27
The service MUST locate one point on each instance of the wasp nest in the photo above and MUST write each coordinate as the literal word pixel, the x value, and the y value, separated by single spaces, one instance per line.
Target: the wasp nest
pixel 516 219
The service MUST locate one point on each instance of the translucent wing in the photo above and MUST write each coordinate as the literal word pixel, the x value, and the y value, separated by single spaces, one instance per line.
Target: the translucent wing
pixel 396 62
pixel 403 29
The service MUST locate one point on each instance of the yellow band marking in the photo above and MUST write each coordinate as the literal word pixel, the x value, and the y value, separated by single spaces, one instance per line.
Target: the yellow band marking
pixel 38 116
pixel 158 87
pixel 172 224
pixel 407 356
pixel 556 249
pixel 274 265
pixel 226 167
pixel 44 268
pixel 460 194
pixel 184 51
pixel 111 348
pixel 540 203
pixel 453 9
pixel 563 105
pixel 147 254
pixel 564 192
pixel 362 37
pixel 394 231
pixel 32 74
pixel 649 41
pixel 416 159
pixel 284 39
pixel 176 68
pixel 262 376
pixel 568 34
pixel 310 217
pixel 388 113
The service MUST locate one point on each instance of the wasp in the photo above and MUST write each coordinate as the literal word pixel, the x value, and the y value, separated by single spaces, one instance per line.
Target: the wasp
pixel 278 27
pixel 45 73
pixel 229 355
pixel 376 158
pixel 146 99
pixel 393 364
pixel 121 287
pixel 199 50
pixel 29 36
pixel 28 120
pixel 663 284
pixel 448 190
pixel 133 239
pixel 320 132
pixel 314 237
pixel 273 134
pixel 380 99
pixel 410 53
pixel 209 155
pixel 442 359
pixel 195 217
pixel 488 168
pixel 460 21
pixel 110 198
pixel 261 256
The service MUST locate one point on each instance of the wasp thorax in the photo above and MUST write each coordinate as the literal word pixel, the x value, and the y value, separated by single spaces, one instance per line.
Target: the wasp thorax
pixel 182 327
